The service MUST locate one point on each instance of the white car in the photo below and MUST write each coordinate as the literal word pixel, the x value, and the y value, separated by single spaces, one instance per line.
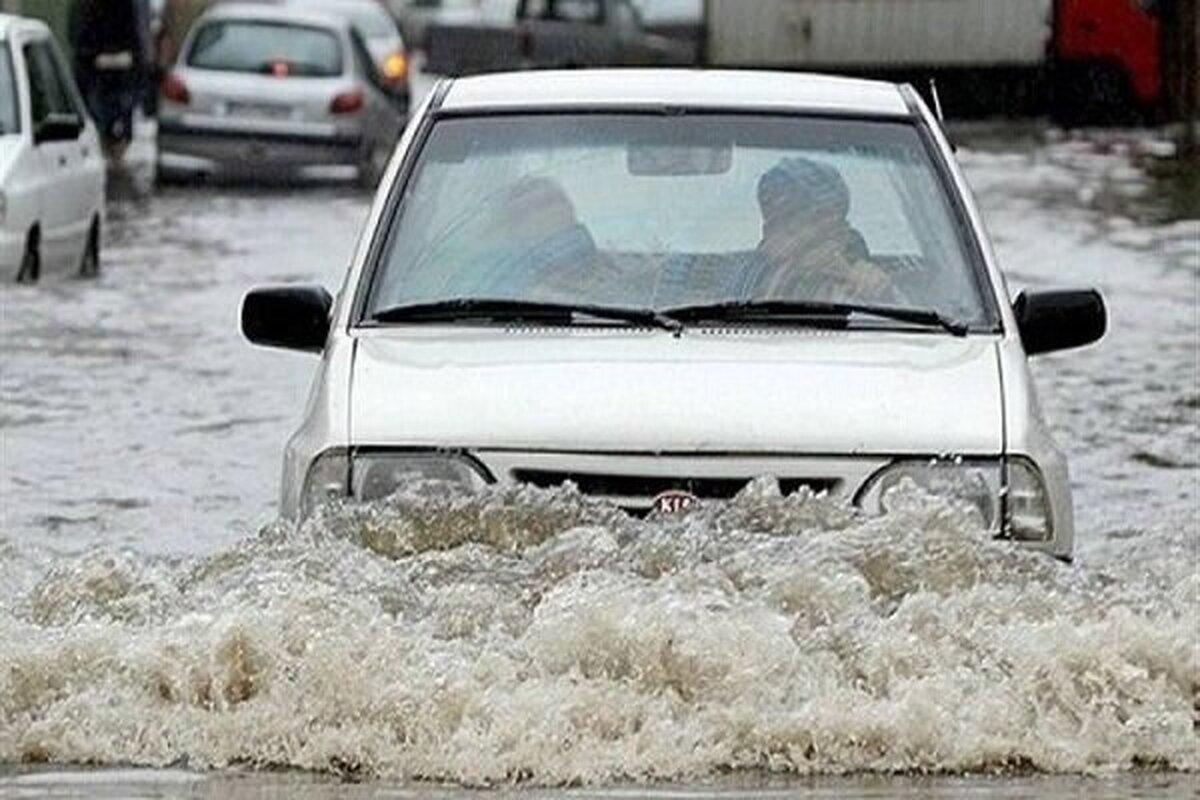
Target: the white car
pixel 51 168
pixel 660 285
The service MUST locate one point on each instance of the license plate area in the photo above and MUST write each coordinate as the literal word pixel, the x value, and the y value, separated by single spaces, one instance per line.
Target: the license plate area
pixel 258 110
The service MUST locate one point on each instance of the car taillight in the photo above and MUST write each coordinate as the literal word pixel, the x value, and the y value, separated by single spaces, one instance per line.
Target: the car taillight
pixel 347 102
pixel 175 90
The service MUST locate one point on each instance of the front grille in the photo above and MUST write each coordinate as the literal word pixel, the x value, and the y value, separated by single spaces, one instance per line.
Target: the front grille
pixel 639 490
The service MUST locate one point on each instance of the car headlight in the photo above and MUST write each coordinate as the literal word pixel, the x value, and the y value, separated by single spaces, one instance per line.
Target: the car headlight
pixel 974 483
pixel 366 476
pixel 1028 516
pixel 1009 495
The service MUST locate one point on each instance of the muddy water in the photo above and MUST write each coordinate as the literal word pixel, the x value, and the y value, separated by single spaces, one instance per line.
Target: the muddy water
pixel 521 634
pixel 152 614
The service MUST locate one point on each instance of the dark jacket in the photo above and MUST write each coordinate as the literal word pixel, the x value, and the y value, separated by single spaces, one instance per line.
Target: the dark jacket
pixel 108 26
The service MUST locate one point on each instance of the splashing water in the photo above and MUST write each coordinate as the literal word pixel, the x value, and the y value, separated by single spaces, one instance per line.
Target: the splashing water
pixel 520 634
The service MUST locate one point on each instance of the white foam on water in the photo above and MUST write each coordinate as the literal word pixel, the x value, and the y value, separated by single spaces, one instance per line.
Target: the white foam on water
pixel 541 636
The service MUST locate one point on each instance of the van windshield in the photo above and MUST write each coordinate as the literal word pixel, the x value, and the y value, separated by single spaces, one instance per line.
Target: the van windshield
pixel 660 212
pixel 266 47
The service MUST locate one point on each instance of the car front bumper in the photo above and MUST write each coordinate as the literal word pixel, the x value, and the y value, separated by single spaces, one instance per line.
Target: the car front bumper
pixel 636 483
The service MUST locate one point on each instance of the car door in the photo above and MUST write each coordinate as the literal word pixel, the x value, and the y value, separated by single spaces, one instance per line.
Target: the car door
pixel 56 158
pixel 85 175
pixel 22 180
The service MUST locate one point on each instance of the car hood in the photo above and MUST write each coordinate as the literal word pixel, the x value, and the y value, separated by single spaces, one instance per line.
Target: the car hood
pixel 760 390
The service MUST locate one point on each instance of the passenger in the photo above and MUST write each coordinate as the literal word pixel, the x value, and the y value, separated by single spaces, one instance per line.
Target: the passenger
pixel 543 251
pixel 809 250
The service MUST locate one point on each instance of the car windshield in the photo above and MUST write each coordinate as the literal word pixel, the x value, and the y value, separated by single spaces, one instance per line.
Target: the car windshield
pixel 662 212
pixel 10 118
pixel 266 47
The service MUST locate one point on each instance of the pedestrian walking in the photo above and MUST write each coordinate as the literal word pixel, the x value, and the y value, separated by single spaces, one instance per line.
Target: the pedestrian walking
pixel 111 41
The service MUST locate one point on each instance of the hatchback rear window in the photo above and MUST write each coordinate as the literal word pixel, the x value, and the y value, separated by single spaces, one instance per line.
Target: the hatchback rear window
pixel 266 47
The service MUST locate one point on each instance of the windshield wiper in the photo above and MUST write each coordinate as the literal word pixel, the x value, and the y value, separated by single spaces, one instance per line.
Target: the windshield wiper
pixel 790 310
pixel 520 311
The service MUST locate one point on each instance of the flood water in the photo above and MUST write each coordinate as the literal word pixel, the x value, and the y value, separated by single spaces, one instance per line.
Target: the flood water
pixel 153 614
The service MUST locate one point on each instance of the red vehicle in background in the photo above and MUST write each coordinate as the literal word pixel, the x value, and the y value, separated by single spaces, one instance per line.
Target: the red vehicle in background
pixel 1106 57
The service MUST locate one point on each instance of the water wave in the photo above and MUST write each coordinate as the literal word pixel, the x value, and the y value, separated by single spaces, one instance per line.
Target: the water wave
pixel 520 634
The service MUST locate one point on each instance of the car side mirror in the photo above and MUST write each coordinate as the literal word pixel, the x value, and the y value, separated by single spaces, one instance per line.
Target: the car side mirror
pixel 1059 319
pixel 291 317
pixel 58 128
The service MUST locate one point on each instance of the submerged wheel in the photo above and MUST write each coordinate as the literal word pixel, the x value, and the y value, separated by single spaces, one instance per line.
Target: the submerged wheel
pixel 31 261
pixel 89 267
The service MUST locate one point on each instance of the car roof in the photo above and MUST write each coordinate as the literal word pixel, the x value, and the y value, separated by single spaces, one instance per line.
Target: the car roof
pixel 689 88
pixel 12 22
pixel 340 5
pixel 343 8
pixel 276 12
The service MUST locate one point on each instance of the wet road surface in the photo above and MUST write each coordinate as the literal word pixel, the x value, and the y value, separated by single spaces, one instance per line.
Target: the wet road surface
pixel 134 412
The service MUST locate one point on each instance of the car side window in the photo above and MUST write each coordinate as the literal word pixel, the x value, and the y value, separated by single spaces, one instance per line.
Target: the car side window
pixel 47 94
pixel 626 17
pixel 535 9
pixel 577 10
pixel 362 57
pixel 69 99
pixel 10 109
pixel 39 93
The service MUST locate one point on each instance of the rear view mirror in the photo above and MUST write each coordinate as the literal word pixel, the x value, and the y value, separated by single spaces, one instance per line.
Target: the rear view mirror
pixel 58 128
pixel 676 159
pixel 1060 319
pixel 291 317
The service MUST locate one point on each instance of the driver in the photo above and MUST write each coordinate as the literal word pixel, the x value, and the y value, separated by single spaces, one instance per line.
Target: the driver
pixel 809 250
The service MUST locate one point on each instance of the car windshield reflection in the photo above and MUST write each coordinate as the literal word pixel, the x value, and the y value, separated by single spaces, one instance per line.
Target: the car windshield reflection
pixel 642 211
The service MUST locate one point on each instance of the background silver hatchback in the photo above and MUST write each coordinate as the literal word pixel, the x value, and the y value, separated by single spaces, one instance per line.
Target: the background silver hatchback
pixel 263 88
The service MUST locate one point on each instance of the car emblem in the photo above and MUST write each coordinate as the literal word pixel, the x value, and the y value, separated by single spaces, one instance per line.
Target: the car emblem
pixel 674 501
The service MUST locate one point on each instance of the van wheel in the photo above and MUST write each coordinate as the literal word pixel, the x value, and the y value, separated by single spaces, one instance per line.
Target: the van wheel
pixel 89 267
pixel 31 261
